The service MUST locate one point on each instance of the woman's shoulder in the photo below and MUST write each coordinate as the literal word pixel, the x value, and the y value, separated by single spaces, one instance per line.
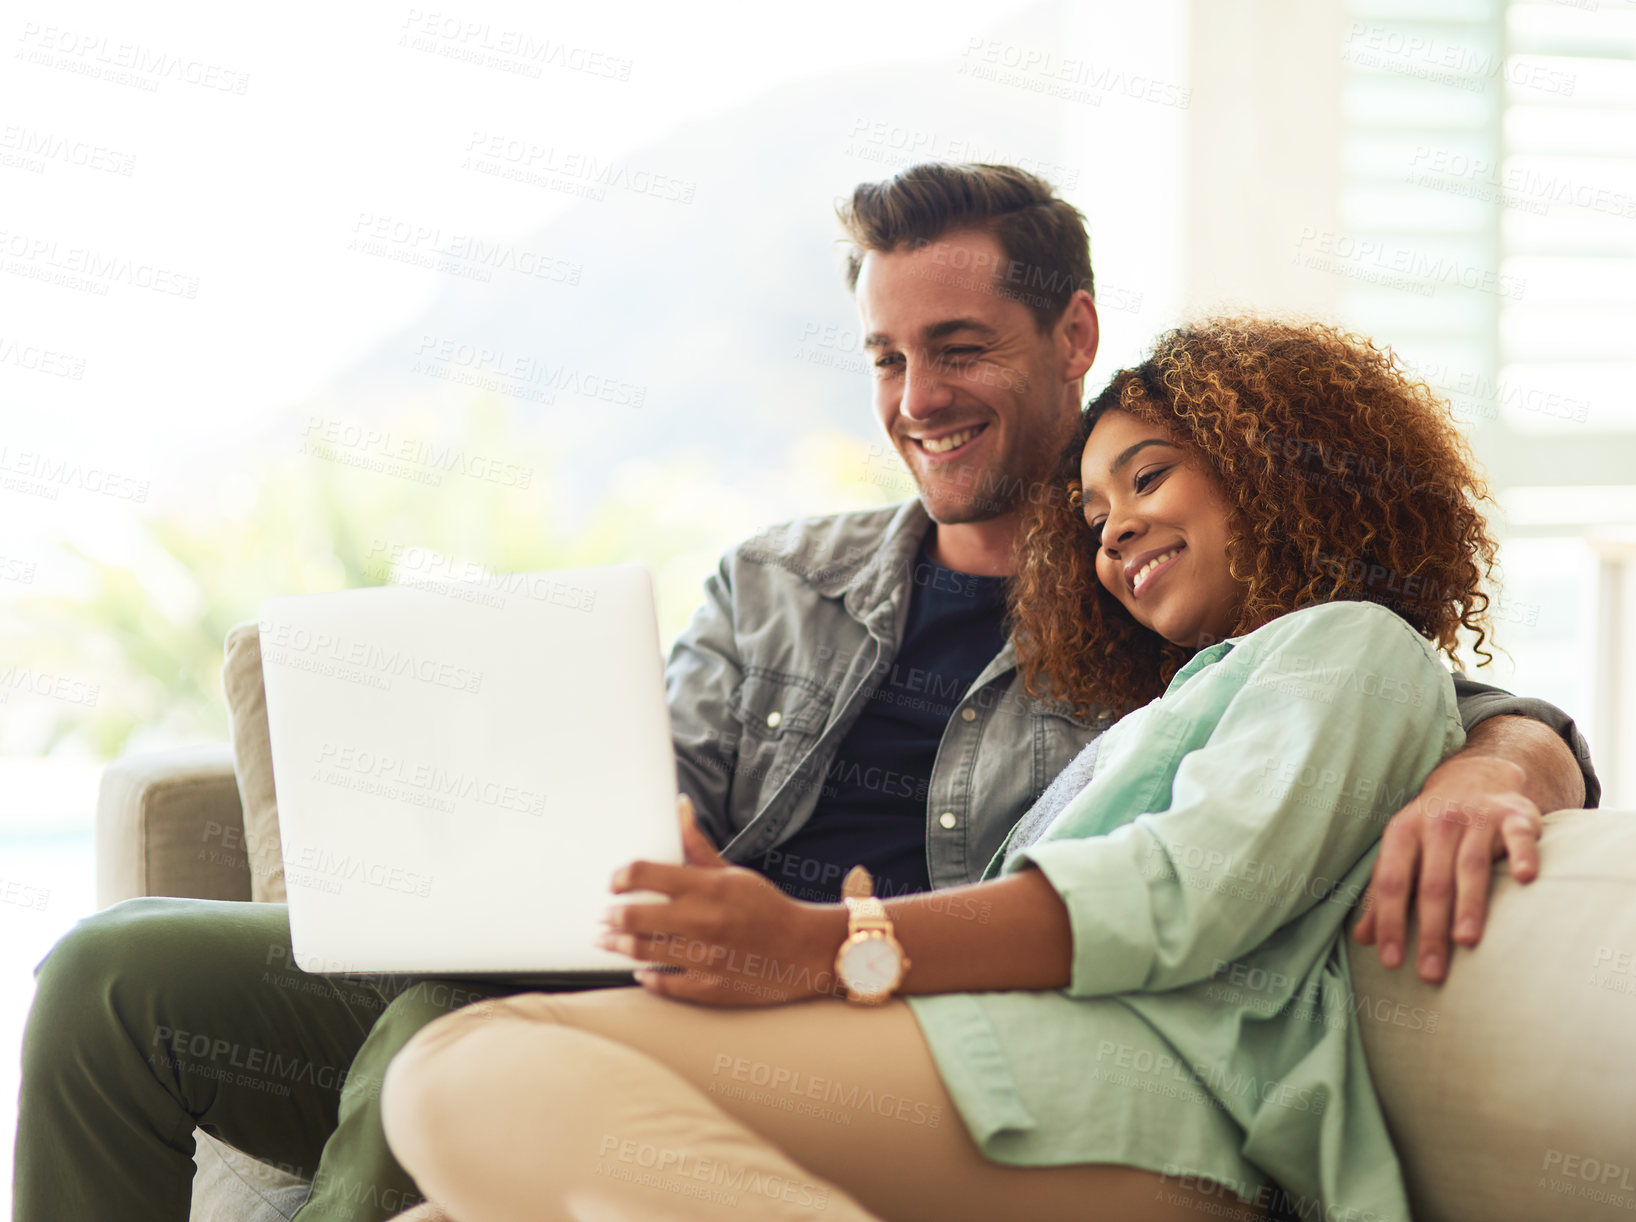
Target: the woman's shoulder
pixel 1343 628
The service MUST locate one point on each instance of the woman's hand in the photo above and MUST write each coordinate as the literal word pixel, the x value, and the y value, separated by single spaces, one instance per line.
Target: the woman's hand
pixel 726 935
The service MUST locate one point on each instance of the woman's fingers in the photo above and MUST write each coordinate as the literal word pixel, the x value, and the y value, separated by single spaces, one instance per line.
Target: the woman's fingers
pixel 696 847
pixel 648 947
pixel 655 876
pixel 697 854
pixel 705 988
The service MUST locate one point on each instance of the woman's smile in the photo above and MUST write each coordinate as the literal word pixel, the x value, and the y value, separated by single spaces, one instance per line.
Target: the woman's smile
pixel 1145 569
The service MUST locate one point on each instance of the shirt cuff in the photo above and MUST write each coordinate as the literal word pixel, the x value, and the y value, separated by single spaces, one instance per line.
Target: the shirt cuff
pixel 1479 702
pixel 1103 881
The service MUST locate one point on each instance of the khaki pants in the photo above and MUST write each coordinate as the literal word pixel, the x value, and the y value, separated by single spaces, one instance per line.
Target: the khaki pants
pixel 619 1105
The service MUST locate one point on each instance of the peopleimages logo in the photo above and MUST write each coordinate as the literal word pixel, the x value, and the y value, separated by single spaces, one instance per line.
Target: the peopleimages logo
pixel 368 656
pixel 435 784
pixel 421 459
pixel 88 270
pixel 480 42
pixel 123 63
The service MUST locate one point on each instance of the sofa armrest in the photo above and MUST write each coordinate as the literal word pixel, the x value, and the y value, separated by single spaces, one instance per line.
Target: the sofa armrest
pixel 170 823
pixel 1504 1085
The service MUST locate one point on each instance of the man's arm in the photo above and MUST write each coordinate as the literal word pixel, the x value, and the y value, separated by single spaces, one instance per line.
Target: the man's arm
pixel 703 672
pixel 1482 803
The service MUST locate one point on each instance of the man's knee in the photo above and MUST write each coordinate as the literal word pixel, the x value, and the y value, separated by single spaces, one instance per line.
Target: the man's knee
pixel 130 939
pixel 116 959
pixel 80 974
pixel 156 935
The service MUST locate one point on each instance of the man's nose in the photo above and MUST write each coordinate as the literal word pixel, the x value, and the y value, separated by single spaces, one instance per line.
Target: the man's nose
pixel 925 391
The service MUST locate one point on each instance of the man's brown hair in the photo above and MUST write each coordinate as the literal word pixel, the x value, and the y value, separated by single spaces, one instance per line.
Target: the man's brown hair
pixel 1043 240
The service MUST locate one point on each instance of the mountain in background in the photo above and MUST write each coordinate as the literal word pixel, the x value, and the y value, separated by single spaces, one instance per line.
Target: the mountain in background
pixel 725 318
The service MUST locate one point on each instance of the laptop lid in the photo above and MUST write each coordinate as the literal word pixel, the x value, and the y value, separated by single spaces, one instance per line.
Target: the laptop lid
pixel 460 768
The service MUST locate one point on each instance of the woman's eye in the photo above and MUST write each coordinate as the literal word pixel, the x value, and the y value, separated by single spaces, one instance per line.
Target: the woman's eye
pixel 1146 478
pixel 1096 532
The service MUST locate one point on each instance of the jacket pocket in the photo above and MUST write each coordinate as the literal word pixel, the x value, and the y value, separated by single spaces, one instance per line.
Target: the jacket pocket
pixel 773 706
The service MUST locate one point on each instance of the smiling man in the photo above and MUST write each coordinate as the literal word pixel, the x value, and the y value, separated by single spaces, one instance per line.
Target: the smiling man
pixel 845 695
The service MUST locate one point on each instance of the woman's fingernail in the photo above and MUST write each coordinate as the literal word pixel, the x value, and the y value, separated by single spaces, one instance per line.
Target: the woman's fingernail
pixel 1466 929
pixel 1431 965
pixel 1391 954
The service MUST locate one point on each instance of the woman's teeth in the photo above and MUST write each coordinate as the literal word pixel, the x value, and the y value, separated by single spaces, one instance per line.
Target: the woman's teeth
pixel 942 445
pixel 1147 568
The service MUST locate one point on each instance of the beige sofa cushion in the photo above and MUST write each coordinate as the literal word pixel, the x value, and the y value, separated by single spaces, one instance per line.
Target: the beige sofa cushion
pixel 253 761
pixel 230 1186
pixel 1511 1090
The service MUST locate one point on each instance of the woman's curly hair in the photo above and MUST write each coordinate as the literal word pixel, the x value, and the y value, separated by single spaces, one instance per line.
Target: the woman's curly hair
pixel 1347 479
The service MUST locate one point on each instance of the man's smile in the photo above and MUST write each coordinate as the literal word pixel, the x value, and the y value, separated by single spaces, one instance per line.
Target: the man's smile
pixel 949 445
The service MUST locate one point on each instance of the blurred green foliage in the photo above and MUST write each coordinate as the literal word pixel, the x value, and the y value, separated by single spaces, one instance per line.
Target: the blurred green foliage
pixel 148 615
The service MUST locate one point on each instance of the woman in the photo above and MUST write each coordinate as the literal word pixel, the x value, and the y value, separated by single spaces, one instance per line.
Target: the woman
pixel 1266 535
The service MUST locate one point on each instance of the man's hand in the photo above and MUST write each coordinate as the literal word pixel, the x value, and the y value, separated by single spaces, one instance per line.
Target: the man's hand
pixel 726 935
pixel 1471 811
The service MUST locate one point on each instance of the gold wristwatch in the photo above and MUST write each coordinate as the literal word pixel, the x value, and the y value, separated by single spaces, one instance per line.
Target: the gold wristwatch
pixel 871 962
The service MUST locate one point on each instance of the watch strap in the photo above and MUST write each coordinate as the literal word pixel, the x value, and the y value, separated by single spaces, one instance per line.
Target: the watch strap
pixel 866 915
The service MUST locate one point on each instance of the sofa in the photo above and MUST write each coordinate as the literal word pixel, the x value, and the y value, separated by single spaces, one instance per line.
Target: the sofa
pixel 1510 1090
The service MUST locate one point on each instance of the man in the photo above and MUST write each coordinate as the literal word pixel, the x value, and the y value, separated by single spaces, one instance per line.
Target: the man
pixel 845 695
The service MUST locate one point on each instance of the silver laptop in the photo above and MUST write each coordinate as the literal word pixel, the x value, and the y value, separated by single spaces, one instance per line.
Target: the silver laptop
pixel 460 769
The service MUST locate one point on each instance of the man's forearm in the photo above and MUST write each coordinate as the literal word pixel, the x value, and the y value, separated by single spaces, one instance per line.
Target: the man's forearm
pixel 1551 778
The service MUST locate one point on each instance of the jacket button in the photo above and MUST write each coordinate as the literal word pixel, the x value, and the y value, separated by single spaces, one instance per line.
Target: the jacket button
pixel 947 819
pixel 968 714
pixel 773 718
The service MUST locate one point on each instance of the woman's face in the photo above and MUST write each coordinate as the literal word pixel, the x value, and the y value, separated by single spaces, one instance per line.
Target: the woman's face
pixel 1160 521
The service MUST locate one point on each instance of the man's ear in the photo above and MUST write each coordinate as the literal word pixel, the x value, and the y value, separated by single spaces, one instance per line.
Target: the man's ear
pixel 1080 331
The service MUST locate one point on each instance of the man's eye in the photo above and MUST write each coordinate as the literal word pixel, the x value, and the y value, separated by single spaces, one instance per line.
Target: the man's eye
pixel 886 362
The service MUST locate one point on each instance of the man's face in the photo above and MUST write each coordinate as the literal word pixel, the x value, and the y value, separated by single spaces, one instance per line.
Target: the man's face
pixel 975 398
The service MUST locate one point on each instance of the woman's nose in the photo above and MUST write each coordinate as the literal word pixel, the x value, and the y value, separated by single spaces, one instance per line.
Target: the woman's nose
pixel 1117 532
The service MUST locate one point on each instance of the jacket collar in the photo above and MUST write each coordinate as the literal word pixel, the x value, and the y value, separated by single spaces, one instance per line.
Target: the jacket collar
pixel 867 579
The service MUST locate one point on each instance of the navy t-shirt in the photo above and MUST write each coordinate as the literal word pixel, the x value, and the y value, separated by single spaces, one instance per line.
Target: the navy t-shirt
pixel 872 808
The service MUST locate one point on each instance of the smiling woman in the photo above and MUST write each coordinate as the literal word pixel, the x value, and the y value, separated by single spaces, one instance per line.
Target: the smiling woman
pixel 1158 519
pixel 1341 477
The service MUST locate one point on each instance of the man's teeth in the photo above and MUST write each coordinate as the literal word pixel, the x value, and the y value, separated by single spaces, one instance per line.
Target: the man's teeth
pixel 1154 563
pixel 941 445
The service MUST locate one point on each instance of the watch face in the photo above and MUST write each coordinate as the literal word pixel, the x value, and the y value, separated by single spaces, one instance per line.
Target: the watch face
pixel 869 966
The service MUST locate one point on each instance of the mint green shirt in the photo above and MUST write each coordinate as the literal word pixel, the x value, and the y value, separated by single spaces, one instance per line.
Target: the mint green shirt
pixel 1208 1028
